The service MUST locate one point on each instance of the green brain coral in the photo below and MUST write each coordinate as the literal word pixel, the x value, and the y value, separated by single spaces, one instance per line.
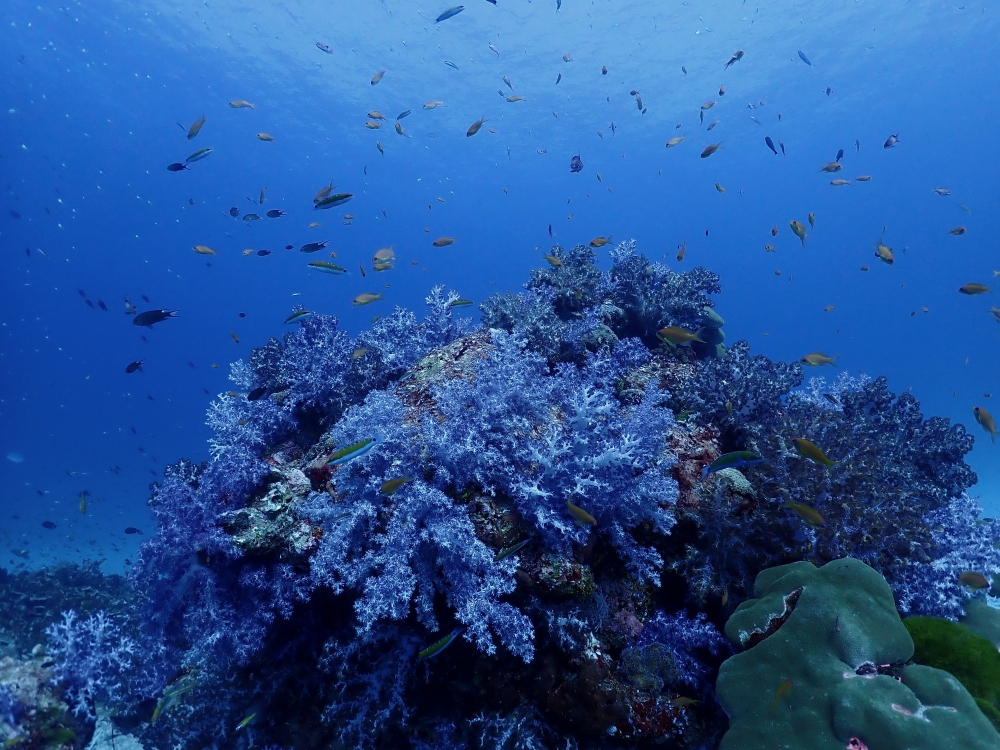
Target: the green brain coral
pixel 835 634
pixel 972 659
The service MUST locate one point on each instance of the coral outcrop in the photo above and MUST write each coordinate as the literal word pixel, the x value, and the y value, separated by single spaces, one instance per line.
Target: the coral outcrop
pixel 825 665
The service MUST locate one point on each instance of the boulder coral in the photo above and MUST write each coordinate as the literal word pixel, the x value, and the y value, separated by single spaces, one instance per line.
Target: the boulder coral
pixel 825 667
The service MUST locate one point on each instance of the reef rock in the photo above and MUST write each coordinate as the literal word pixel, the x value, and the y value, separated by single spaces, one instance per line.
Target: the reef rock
pixel 823 669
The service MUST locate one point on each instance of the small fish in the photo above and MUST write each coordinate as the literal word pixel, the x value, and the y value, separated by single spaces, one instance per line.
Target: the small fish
pixel 366 299
pixel 134 366
pixel 359 353
pixel 971 289
pixel 433 104
pixel 474 127
pixel 799 230
pixel 722 90
pixel 330 201
pixel 323 192
pixel 840 155
pixel 604 70
pixel 807 513
pixel 803 58
pixel 240 104
pixel 711 149
pixel 404 113
pixel 769 248
pixel 579 514
pixel 553 261
pixel 781 145
pixel 601 241
pixel 275 213
pixel 234 212
pixel 833 166
pixel 376 115
pixel 234 337
pixel 684 70
pixel 83 502
pixel 508 551
pixel 957 231
pixel 132 530
pixel 257 393
pixel 676 140
pixel 810 450
pixel 734 460
pixel 678 336
pixel 443 241
pixel 816 359
pixel 863 178
pixel 324 47
pixel 576 164
pixel 712 125
pixel 558 78
pixel 638 103
pixel 152 317
pixel 450 13
pixel 176 167
pixel 986 420
pixel 248 720
pixel 399 129
pixel 681 250
pixel 251 217
pixel 48 524
pixel 515 98
pixel 567 57
pixel 196 128
pixel 352 451
pixel 942 191
pixel 438 646
pixel 774 231
pixel 265 137
pixel 965 208
pixel 884 253
pixel 720 187
pixel 737 56
pixel 248 251
pixel 378 76
pixel 373 125
pixel 198 155
pixel 829 308
pixel 682 701
pixel 840 183
pixel 298 316
pixel 392 485
pixel 203 250
pixel 770 144
pixel 973 580
pixel 450 64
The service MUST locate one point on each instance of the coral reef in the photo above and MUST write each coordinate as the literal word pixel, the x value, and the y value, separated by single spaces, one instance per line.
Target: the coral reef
pixel 32 714
pixel 528 493
pixel 824 666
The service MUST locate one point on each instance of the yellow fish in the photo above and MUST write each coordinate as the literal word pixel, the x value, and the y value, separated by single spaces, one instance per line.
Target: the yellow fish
pixel 973 580
pixel 677 335
pixel 474 127
pixel 579 514
pixel 808 449
pixel 971 289
pixel 265 136
pixel 601 241
pixel 553 261
pixel 986 420
pixel 884 254
pixel 799 230
pixel 784 689
pixel 196 128
pixel 240 104
pixel 366 299
pixel 807 513
pixel 816 359
pixel 377 77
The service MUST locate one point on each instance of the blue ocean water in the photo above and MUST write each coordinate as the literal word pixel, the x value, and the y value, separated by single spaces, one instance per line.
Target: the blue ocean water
pixel 98 97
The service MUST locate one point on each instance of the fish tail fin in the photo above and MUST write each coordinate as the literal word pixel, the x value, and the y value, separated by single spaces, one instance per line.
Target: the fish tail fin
pixel 697 336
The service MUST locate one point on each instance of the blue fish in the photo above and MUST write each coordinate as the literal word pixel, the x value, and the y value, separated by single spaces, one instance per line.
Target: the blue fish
pixel 450 13
pixel 734 460
pixel 803 58
pixel 353 451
